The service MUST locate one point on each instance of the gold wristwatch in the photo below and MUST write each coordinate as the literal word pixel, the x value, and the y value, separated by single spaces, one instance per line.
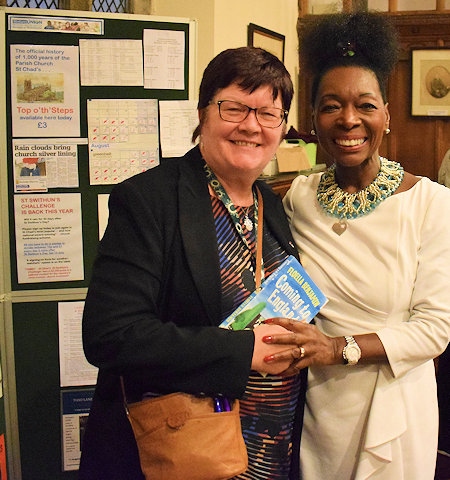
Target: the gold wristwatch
pixel 351 352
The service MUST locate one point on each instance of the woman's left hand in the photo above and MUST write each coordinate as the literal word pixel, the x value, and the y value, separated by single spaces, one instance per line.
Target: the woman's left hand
pixel 313 347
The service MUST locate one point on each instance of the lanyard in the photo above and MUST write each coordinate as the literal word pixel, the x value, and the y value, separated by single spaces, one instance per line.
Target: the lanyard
pixel 231 209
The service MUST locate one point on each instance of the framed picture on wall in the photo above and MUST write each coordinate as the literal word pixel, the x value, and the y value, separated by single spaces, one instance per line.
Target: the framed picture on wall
pixel 262 37
pixel 431 82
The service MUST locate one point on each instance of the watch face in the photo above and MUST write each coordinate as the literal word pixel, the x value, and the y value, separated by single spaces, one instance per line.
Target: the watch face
pixel 352 353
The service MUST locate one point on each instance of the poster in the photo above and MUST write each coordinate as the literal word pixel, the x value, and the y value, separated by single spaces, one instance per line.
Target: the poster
pixel 111 62
pixel 75 406
pixel 123 138
pixel 40 164
pixel 49 246
pixel 178 120
pixel 164 52
pixel 35 23
pixel 45 91
pixel 74 369
pixel 103 213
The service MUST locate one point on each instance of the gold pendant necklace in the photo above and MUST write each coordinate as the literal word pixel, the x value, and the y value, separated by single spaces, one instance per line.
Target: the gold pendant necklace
pixel 340 227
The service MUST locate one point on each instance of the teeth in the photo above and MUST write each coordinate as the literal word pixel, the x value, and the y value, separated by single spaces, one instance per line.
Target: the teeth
pixel 245 144
pixel 350 143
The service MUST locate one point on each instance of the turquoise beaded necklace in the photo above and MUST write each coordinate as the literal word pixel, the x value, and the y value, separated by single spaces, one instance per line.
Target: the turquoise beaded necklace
pixel 345 206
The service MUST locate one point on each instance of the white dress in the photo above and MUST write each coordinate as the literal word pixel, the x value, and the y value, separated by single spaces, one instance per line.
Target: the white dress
pixel 388 273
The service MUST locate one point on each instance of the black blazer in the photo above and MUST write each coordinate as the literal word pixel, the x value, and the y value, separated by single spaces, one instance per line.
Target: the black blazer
pixel 157 270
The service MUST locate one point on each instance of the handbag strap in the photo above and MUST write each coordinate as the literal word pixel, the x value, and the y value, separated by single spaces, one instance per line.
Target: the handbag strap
pixel 125 401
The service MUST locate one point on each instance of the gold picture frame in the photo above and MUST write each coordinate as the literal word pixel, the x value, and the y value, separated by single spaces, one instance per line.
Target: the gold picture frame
pixel 267 39
pixel 431 82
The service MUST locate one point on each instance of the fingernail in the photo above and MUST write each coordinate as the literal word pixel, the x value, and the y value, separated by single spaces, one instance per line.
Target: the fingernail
pixel 268 320
pixel 269 358
pixel 267 339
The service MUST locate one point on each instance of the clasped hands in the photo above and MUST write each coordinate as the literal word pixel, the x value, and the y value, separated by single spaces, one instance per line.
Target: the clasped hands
pixel 286 350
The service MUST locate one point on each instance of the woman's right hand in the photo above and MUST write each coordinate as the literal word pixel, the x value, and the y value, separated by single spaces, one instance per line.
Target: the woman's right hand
pixel 261 350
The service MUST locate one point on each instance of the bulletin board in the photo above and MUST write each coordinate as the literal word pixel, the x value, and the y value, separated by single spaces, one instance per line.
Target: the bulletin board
pixel 43 48
pixel 114 27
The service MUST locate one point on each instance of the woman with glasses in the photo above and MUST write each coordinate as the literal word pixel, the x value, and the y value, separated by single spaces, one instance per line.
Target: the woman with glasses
pixel 177 257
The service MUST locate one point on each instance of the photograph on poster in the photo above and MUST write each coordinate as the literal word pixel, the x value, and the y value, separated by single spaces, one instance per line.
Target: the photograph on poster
pixel 35 87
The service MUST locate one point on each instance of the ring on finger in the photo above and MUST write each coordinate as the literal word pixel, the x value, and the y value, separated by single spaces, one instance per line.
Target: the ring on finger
pixel 298 352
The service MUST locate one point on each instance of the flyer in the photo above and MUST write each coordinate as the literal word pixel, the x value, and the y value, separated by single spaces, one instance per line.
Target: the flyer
pixel 49 245
pixel 45 91
pixel 35 23
pixel 164 52
pixel 111 62
pixel 74 369
pixel 75 406
pixel 40 164
pixel 123 138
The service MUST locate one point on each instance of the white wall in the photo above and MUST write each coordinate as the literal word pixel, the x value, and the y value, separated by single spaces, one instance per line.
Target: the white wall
pixel 202 11
pixel 222 24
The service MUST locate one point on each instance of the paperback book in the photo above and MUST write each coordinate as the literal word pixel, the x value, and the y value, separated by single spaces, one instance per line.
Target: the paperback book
pixel 288 292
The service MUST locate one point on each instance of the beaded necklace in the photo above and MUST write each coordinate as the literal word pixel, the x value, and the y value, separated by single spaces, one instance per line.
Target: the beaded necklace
pixel 232 210
pixel 345 206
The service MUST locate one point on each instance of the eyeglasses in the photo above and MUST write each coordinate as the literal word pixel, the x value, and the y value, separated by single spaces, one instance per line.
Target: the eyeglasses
pixel 236 112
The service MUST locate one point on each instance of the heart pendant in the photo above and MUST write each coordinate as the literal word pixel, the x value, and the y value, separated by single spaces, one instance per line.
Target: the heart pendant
pixel 339 227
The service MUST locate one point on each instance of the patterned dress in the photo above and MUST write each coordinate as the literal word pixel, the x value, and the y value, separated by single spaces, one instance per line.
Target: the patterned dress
pixel 268 405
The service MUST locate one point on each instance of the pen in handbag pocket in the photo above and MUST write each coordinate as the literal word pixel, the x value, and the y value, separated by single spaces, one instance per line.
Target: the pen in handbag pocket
pixel 226 404
pixel 218 406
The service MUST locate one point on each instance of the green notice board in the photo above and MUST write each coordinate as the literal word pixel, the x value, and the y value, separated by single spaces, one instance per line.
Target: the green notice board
pixel 38 391
pixel 115 27
pixel 34 341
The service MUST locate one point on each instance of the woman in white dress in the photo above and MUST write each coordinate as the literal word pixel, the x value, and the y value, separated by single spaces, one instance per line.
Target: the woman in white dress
pixel 376 240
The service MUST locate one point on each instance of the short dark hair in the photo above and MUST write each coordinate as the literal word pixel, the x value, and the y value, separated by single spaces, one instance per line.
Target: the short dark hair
pixel 248 67
pixel 363 39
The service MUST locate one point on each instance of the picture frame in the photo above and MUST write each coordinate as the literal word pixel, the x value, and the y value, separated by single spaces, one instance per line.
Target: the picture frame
pixel 430 72
pixel 264 38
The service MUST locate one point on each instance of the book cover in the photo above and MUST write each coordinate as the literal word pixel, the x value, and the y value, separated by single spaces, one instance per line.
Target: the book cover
pixel 288 292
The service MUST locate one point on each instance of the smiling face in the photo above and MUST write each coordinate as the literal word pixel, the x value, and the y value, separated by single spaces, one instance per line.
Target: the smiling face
pixel 350 116
pixel 239 150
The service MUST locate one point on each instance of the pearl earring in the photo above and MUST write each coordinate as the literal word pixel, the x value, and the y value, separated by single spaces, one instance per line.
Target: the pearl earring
pixel 313 132
pixel 387 131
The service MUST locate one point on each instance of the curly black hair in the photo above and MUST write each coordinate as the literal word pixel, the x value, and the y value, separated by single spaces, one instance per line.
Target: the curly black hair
pixel 365 39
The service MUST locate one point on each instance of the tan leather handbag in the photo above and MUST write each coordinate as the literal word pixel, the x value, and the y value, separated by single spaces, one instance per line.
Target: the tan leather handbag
pixel 181 437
